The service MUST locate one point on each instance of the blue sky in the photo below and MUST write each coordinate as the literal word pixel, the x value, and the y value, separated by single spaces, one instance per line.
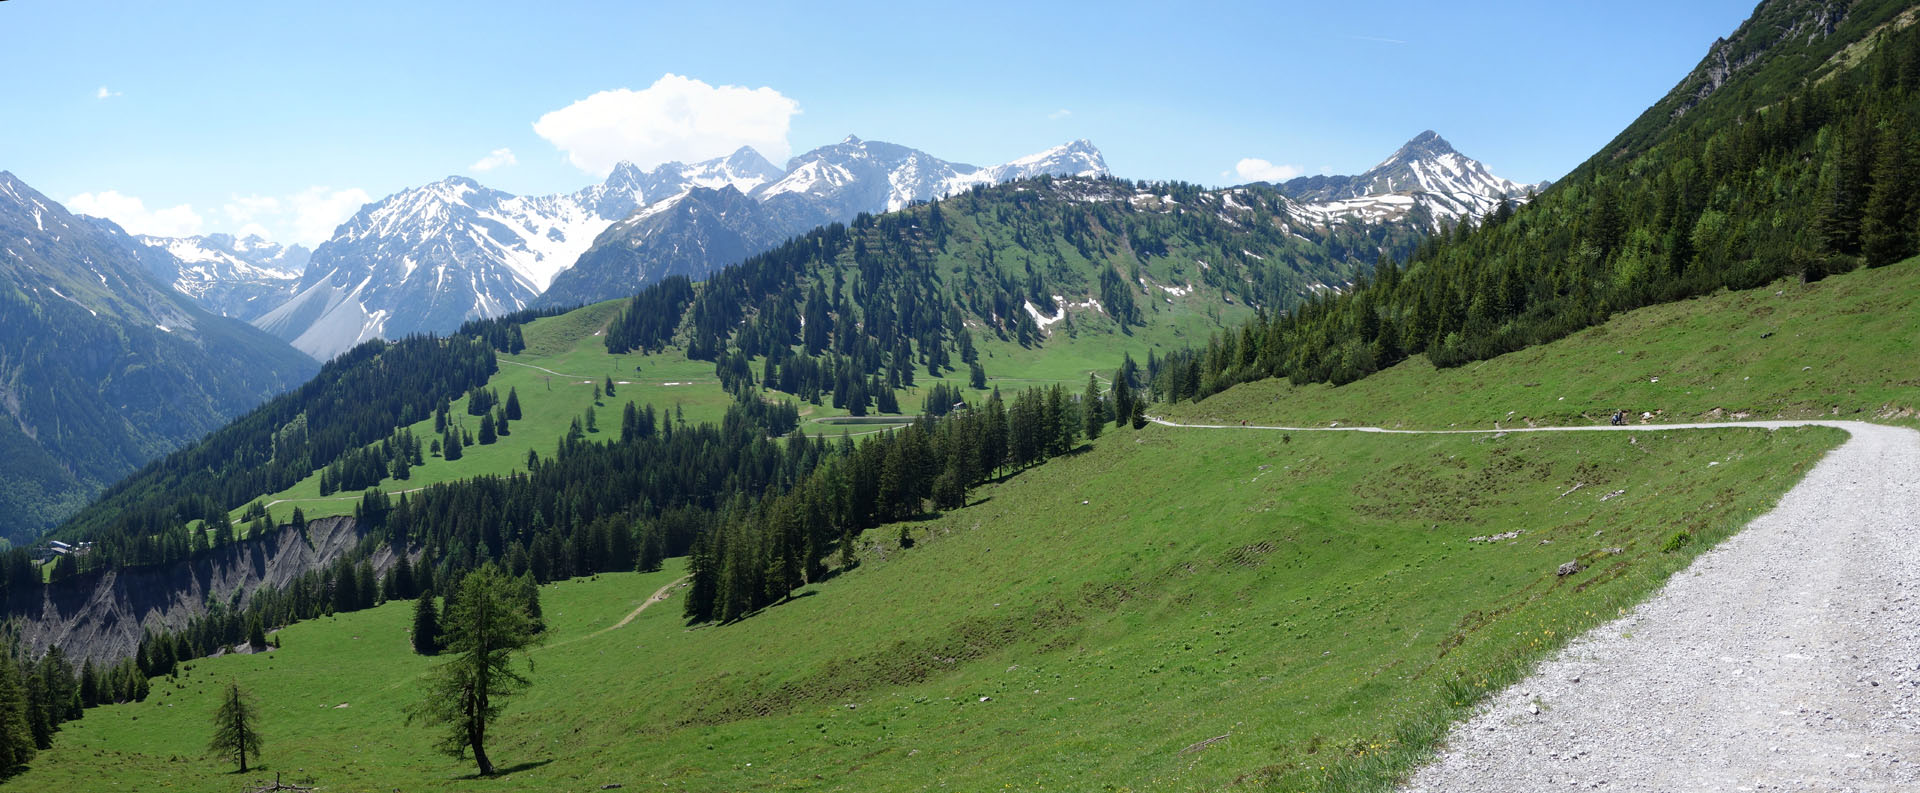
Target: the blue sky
pixel 195 117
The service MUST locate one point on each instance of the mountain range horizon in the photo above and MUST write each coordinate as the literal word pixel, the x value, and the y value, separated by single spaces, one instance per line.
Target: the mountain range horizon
pixel 489 252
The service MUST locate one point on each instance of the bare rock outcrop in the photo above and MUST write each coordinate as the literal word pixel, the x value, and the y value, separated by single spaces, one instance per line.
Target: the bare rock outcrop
pixel 100 615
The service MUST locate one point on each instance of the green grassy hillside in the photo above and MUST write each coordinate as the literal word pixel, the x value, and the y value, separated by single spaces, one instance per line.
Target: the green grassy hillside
pixel 566 359
pixel 1844 347
pixel 1089 624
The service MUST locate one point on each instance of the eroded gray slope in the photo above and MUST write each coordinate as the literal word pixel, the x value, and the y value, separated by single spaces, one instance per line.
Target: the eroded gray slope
pixel 101 615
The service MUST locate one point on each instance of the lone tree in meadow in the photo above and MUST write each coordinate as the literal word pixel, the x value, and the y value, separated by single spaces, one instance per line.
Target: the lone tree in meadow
pixel 485 625
pixel 236 731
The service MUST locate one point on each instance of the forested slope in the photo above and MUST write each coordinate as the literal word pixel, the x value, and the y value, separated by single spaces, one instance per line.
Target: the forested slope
pixel 103 368
pixel 1800 162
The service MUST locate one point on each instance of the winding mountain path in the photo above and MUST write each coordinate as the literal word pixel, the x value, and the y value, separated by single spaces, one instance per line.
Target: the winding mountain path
pixel 1786 658
pixel 658 595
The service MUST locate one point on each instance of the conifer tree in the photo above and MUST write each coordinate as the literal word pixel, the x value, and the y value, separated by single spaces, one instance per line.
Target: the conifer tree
pixel 61 687
pixel 404 586
pixel 1094 408
pixel 89 684
pixel 1122 400
pixel 16 733
pixel 426 626
pixel 1886 230
pixel 485 626
pixel 486 430
pixel 513 403
pixel 236 731
pixel 849 553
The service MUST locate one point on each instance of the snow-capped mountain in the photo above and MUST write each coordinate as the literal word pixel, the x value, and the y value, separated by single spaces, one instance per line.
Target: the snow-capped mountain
pixel 427 259
pixel 234 277
pixel 1078 158
pixel 693 236
pixel 629 188
pixel 1425 173
pixel 855 175
pixel 430 258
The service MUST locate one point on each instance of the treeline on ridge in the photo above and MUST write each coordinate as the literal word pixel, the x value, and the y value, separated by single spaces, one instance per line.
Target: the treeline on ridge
pixel 893 293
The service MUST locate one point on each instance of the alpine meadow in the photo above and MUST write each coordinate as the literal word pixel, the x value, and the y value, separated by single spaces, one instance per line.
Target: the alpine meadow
pixel 749 466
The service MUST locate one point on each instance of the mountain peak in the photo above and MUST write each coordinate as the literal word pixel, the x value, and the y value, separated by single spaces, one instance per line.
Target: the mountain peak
pixel 1426 145
pixel 851 140
pixel 750 158
pixel 1452 183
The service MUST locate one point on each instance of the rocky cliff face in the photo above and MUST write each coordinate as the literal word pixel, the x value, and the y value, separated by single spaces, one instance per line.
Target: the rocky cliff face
pixel 101 615
pixel 1775 24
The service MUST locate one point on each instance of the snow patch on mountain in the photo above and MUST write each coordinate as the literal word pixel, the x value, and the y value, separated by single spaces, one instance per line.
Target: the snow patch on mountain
pixel 1426 173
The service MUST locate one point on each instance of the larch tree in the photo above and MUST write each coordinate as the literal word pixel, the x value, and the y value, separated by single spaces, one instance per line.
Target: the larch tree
pixel 485 626
pixel 236 732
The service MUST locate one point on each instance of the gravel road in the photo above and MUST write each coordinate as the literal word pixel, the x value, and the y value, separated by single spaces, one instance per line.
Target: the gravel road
pixel 1786 659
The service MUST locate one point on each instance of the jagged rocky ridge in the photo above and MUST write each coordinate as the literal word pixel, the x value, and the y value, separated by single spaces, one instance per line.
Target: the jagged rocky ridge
pixel 240 277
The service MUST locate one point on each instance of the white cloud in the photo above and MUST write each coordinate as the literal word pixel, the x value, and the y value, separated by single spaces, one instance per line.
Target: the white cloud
pixel 1059 114
pixel 248 208
pixel 132 214
pixel 676 118
pixel 307 217
pixel 103 93
pixel 1254 169
pixel 498 158
pixel 317 210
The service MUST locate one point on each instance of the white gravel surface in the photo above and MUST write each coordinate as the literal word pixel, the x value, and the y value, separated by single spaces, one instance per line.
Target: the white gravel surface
pixel 1787 658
